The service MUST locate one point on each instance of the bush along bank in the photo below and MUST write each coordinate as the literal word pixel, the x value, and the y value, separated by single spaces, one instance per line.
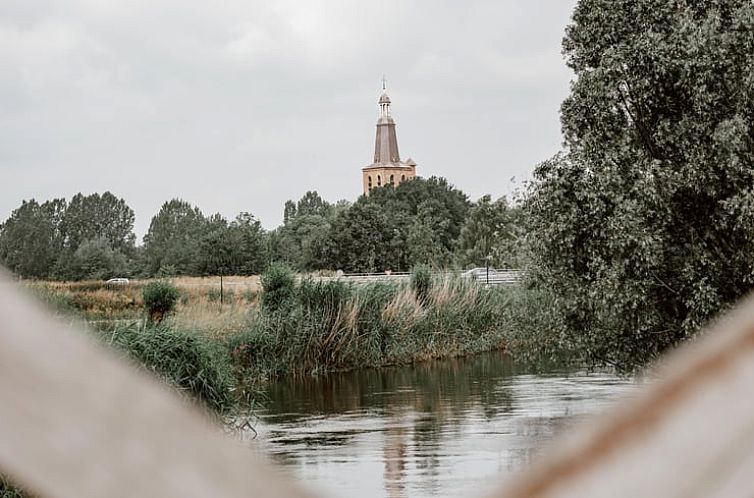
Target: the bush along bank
pixel 317 326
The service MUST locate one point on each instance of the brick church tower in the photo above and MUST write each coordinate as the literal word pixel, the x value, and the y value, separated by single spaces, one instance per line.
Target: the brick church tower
pixel 387 168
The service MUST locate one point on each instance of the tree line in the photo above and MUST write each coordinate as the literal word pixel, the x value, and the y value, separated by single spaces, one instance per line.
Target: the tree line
pixel 424 221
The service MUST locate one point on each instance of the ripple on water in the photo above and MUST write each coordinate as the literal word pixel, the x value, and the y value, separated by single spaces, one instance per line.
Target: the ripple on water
pixel 447 428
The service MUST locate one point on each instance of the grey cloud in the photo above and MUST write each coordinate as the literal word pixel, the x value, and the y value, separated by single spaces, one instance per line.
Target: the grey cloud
pixel 241 105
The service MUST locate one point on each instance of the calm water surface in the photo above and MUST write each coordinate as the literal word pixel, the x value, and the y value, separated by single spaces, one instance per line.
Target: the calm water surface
pixel 446 428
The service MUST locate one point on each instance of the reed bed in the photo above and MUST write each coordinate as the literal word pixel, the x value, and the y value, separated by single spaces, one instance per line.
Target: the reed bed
pixel 195 365
pixel 206 315
pixel 334 325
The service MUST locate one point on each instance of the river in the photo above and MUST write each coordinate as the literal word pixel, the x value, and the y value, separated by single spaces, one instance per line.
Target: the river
pixel 444 428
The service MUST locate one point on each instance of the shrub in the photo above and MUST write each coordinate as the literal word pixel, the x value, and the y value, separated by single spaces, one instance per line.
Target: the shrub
pixel 255 351
pixel 421 281
pixel 278 287
pixel 160 298
pixel 323 297
pixel 213 294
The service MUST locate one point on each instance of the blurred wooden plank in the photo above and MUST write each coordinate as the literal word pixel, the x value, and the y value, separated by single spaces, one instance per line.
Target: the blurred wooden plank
pixel 76 421
pixel 690 433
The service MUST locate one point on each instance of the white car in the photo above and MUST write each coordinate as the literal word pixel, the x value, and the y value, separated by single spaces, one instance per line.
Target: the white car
pixel 479 272
pixel 117 281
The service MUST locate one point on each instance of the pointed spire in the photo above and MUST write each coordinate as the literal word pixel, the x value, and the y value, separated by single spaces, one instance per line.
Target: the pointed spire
pixel 386 143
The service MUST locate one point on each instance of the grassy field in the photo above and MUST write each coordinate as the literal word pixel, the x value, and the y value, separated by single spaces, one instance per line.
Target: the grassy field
pixel 198 309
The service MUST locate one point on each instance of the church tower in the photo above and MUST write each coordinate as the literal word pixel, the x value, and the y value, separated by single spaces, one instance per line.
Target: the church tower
pixel 387 168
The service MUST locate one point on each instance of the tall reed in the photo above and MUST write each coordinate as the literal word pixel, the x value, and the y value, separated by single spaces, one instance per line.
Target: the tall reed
pixel 192 363
pixel 335 325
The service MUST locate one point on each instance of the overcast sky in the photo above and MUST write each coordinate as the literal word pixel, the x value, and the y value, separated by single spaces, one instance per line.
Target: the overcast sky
pixel 239 105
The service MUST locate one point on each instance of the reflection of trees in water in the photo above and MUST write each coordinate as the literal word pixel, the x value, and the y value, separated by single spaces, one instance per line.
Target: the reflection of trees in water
pixel 422 406
pixel 394 455
pixel 444 386
pixel 428 441
pixel 437 394
pixel 539 429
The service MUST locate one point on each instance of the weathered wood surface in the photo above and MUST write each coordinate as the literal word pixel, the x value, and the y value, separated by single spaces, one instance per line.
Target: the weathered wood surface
pixel 76 421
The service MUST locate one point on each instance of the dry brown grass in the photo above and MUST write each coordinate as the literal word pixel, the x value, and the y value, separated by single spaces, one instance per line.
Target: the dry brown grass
pixel 95 300
pixel 208 316
pixel 198 308
pixel 404 307
pixel 236 283
pixel 450 288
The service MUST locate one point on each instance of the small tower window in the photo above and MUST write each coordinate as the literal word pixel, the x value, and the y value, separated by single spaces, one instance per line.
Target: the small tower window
pixel 403 178
pixel 379 180
pixel 392 182
pixel 369 182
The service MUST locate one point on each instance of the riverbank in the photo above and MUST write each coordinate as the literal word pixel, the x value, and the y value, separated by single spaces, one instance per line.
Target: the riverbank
pixel 220 353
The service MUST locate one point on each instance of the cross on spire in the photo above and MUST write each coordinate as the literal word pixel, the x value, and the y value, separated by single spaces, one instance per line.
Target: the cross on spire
pixel 384 82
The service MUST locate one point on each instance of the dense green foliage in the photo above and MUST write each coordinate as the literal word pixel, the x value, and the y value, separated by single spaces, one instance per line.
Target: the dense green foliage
pixel 182 241
pixel 418 222
pixel 93 216
pixel 279 286
pixel 31 240
pixel 393 228
pixel 644 229
pixel 421 281
pixel 160 298
pixel 171 246
pixel 90 237
pixel 490 230
pixel 302 239
pixel 96 259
